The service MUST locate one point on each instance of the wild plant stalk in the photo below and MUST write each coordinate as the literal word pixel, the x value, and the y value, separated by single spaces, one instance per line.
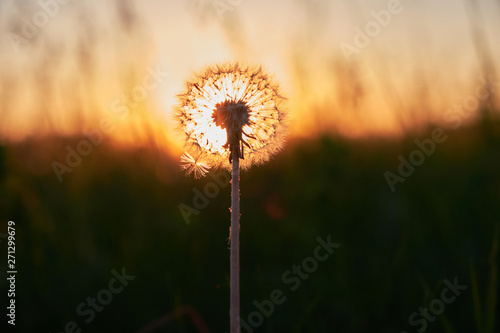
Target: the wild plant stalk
pixel 234 312
pixel 231 117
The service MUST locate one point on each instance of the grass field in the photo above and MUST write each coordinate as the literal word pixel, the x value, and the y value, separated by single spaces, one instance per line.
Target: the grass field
pixel 119 208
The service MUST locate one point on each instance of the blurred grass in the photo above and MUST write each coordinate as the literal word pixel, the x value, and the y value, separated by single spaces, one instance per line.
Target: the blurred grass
pixel 119 208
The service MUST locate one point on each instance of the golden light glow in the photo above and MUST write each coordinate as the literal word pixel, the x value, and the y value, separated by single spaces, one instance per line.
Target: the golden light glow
pixel 54 84
pixel 231 86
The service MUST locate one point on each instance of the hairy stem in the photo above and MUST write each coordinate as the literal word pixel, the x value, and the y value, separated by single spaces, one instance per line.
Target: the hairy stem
pixel 234 312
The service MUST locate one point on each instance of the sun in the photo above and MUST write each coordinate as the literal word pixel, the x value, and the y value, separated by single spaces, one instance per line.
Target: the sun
pixel 230 109
pixel 215 138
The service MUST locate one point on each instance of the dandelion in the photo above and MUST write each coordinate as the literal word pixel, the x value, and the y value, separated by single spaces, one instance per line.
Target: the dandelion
pixel 231 108
pixel 231 116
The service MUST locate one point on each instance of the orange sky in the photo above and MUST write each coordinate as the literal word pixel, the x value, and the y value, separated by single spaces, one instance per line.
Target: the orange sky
pixel 74 66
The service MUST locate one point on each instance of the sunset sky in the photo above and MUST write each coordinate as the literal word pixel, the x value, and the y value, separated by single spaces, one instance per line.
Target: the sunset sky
pixel 72 67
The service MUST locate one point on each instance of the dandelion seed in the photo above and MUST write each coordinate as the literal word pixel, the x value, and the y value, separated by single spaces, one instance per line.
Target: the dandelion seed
pixel 194 166
pixel 231 108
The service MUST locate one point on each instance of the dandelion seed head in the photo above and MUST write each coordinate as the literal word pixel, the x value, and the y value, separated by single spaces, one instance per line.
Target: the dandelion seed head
pixel 228 107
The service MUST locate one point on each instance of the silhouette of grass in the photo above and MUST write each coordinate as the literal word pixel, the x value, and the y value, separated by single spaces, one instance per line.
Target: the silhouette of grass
pixel 119 208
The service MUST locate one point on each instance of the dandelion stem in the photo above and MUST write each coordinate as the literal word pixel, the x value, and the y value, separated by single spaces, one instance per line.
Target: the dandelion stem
pixel 234 312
